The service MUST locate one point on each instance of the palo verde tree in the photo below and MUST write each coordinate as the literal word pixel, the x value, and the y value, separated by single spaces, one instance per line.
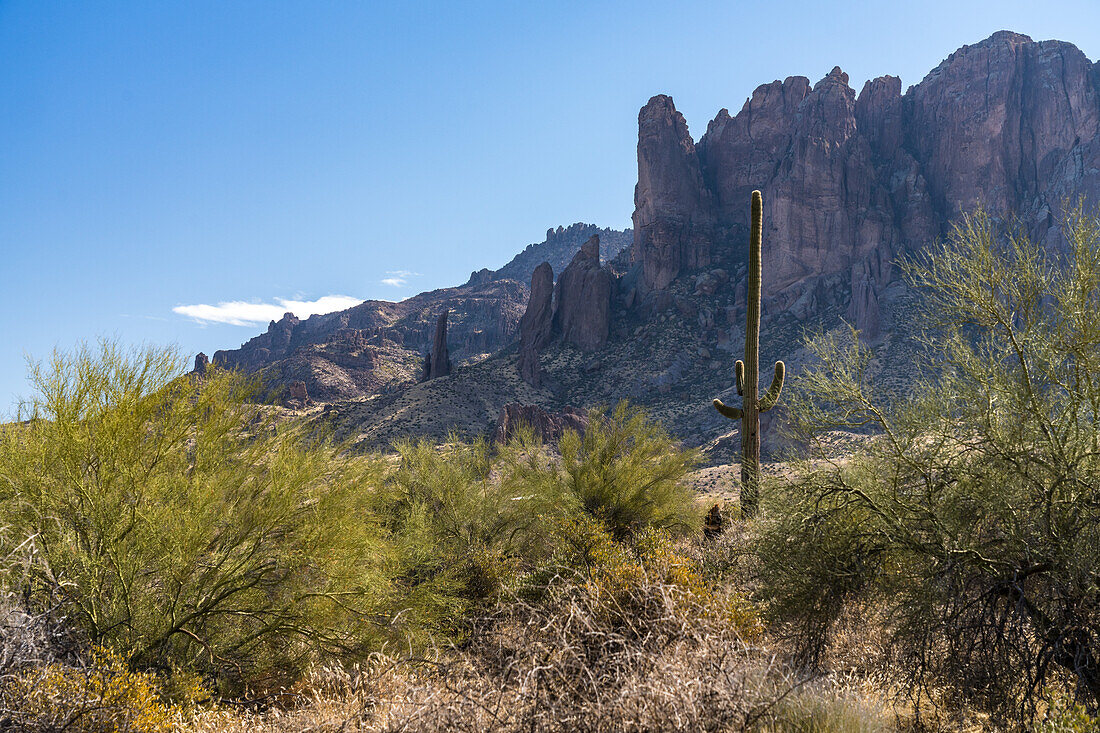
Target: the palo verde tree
pixel 972 515
pixel 181 528
pixel 747 373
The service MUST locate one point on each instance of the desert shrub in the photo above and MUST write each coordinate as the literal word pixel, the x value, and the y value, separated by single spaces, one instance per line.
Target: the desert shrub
pixel 828 708
pixel 461 527
pixel 1065 715
pixel 973 514
pixel 587 554
pixel 470 517
pixel 574 661
pixel 182 528
pixel 627 471
pixel 28 637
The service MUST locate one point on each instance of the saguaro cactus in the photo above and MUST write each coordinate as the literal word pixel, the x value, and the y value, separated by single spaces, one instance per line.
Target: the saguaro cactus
pixel 747 373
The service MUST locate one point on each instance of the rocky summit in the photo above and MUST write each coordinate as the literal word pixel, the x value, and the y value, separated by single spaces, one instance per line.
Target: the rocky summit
pixel 850 182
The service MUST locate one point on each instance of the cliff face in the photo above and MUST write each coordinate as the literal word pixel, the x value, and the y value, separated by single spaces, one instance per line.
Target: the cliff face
pixel 674 211
pixel 996 120
pixel 849 182
pixel 536 324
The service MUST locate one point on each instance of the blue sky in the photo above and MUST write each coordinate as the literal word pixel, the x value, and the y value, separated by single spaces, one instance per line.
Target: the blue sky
pixel 158 157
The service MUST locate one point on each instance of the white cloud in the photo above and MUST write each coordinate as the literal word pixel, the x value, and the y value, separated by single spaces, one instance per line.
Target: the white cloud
pixel 240 313
pixel 398 278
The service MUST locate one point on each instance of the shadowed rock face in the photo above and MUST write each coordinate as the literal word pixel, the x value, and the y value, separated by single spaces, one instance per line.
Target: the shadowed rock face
pixel 438 361
pixel 863 310
pixel 673 210
pixel 848 181
pixel 582 299
pixel 548 425
pixel 535 328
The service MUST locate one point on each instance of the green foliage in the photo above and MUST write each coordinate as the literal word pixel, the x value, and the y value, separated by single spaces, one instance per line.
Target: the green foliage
pixel 468 517
pixel 182 527
pixel 747 373
pixel 973 515
pixel 462 525
pixel 619 572
pixel 627 471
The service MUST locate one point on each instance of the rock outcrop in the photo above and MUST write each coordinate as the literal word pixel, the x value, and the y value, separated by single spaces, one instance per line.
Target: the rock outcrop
pixel 993 123
pixel 297 395
pixel 673 210
pixel 850 183
pixel 582 299
pixel 276 343
pixel 437 363
pixel 863 308
pixel 379 345
pixel 201 364
pixel 535 328
pixel 548 425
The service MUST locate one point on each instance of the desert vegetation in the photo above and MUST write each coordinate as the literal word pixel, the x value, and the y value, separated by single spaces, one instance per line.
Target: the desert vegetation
pixel 175 555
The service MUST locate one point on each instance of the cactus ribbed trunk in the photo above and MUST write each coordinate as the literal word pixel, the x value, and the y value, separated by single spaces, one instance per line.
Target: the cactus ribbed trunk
pixel 747 374
pixel 750 418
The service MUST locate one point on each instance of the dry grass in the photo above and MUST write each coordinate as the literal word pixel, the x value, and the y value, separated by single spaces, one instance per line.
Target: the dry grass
pixel 580 661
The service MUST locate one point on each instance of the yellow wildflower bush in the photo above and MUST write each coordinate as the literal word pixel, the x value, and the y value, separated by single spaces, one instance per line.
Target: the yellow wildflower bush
pixel 103 697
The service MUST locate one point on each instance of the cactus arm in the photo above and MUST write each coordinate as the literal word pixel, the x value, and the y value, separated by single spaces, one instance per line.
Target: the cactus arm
pixel 770 397
pixel 733 413
pixel 739 371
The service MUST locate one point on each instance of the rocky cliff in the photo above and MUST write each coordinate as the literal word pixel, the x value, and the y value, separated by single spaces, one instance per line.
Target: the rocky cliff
pixel 380 345
pixel 851 181
pixel 582 299
pixel 673 210
pixel 536 325
pixel 437 363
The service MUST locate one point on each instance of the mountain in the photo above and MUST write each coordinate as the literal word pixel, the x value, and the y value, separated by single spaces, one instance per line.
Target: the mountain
pixel 560 246
pixel 380 345
pixel 850 182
